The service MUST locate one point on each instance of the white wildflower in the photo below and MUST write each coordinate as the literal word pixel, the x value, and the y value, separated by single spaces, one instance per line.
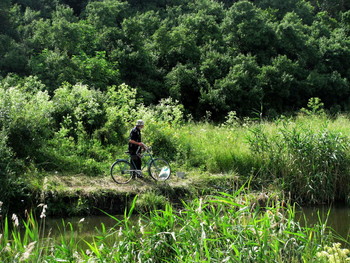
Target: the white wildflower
pixel 142 229
pixel 120 232
pixel 199 209
pixel 334 253
pixel 28 251
pixel 15 219
pixel 43 212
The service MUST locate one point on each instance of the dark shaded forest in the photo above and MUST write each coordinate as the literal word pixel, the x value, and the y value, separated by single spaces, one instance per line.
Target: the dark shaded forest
pixel 253 57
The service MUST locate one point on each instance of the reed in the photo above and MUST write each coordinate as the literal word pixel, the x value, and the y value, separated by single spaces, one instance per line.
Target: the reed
pixel 307 156
pixel 219 228
pixel 308 159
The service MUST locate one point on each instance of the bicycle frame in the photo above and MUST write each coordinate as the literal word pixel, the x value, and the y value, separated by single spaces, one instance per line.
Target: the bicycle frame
pixel 123 170
pixel 147 153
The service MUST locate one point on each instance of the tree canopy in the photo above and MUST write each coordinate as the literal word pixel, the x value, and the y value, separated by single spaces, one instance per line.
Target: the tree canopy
pixel 210 55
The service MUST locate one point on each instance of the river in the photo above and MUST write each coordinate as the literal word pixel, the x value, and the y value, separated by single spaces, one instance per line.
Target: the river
pixel 338 219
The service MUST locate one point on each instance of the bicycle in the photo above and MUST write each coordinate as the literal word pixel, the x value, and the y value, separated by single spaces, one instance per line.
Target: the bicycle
pixel 122 170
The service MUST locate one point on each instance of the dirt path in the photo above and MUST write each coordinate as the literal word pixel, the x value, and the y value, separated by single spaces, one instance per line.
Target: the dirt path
pixel 80 194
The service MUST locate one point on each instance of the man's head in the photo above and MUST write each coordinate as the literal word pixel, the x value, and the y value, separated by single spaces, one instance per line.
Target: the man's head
pixel 140 123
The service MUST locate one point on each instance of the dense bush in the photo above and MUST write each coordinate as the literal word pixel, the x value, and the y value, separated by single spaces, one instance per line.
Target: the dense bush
pixel 216 56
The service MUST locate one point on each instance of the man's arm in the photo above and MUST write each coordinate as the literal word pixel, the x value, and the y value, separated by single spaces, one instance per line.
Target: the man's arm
pixel 138 143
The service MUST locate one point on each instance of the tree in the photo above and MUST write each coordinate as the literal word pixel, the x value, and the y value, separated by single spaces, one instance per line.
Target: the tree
pixel 135 53
pixel 293 40
pixel 322 26
pixel 53 68
pixel 63 32
pixel 175 45
pixel 246 28
pixel 331 88
pixel 106 13
pixel 280 8
pixel 96 71
pixel 280 85
pixel 240 90
pixel 13 56
pixel 80 104
pixel 214 65
pixel 27 120
pixel 333 7
pixel 77 5
pixel 345 22
pixel 203 26
pixel 183 86
pixel 335 53
pixel 4 16
pixel 44 6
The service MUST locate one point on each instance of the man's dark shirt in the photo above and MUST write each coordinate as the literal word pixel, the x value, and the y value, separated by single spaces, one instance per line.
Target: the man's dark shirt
pixel 135 135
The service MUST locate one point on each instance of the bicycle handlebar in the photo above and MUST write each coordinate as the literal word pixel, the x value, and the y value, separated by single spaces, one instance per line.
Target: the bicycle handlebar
pixel 147 149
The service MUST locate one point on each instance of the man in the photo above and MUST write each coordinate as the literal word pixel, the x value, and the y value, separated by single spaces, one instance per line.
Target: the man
pixel 135 143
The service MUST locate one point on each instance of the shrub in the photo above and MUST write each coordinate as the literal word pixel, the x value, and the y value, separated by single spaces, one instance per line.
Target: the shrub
pixel 27 119
pixel 81 104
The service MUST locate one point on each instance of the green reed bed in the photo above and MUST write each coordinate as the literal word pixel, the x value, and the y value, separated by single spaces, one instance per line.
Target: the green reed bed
pixel 306 156
pixel 222 228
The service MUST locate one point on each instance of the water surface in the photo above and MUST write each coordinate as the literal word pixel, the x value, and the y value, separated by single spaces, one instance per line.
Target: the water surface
pixel 336 217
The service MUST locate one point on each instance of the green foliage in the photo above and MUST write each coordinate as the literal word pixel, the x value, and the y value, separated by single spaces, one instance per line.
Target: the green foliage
pixel 53 68
pixel 81 103
pixel 107 13
pixel 309 164
pixel 168 111
pixel 27 120
pixel 120 106
pixel 215 228
pixel 314 107
pixel 280 84
pixel 231 120
pixel 240 90
pixel 97 70
pixel 246 27
pixel 63 106
pixel 161 121
pixel 183 86
pixel 300 48
pixel 6 165
pixel 149 202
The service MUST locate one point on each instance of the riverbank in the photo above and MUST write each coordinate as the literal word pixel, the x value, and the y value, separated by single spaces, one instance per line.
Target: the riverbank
pixel 71 195
pixel 211 228
pixel 201 218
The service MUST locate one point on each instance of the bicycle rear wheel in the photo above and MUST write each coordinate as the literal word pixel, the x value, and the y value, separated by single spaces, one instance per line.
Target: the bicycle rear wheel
pixel 159 169
pixel 121 171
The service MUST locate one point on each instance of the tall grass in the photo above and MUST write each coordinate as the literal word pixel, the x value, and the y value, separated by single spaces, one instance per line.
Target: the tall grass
pixel 220 228
pixel 311 161
pixel 306 156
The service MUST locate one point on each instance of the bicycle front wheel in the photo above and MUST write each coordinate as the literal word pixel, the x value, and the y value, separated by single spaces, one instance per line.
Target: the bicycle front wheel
pixel 121 171
pixel 159 169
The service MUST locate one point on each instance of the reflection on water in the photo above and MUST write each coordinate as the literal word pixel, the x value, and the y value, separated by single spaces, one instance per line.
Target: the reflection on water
pixel 338 218
pixel 83 227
